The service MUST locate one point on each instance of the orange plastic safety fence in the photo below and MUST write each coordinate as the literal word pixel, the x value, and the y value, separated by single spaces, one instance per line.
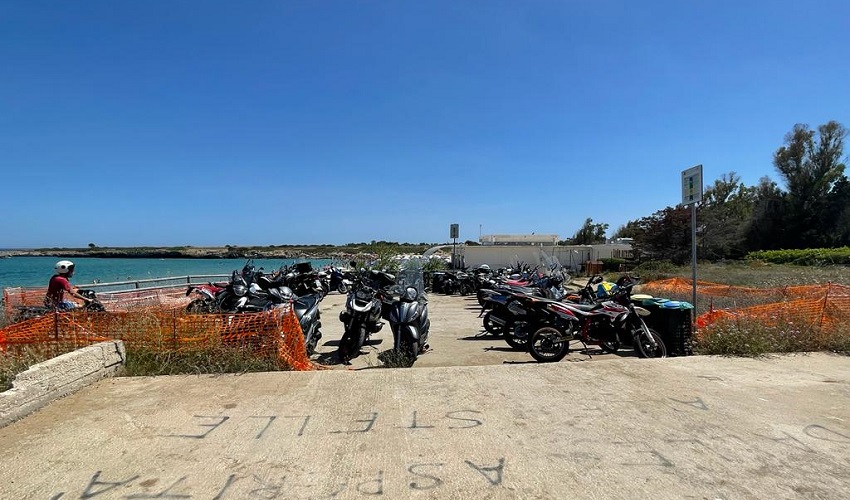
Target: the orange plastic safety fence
pixel 682 286
pixel 276 332
pixel 131 300
pixel 822 305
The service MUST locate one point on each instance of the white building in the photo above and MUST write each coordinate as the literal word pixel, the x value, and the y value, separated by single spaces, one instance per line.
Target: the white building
pixel 518 239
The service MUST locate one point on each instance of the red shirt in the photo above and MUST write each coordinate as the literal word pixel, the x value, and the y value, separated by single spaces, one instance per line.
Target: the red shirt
pixel 57 287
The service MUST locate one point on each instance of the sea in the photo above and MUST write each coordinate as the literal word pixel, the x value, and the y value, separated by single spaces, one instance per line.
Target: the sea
pixel 36 271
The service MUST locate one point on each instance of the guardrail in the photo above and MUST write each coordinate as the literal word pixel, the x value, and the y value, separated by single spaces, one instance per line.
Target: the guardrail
pixel 153 283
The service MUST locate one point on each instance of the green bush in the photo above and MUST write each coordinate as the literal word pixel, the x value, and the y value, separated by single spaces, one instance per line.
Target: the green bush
pixel 804 257
pixel 657 270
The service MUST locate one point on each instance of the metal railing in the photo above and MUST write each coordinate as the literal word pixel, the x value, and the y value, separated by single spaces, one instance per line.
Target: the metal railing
pixel 154 283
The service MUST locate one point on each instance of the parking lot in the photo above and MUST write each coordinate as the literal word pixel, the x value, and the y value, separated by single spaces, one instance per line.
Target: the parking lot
pixel 457 338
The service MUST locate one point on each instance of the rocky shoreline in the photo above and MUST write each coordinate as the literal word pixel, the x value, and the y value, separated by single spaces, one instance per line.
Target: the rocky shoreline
pixel 227 252
pixel 163 253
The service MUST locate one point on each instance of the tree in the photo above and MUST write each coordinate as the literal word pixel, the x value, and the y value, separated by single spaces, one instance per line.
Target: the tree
pixel 92 246
pixel 810 164
pixel 590 233
pixel 723 218
pixel 666 234
pixel 766 227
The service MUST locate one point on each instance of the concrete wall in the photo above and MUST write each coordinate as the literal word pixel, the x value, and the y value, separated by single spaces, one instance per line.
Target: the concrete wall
pixel 570 256
pixel 58 377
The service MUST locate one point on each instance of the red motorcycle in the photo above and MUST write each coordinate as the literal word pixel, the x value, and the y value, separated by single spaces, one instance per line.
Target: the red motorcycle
pixel 204 300
pixel 608 324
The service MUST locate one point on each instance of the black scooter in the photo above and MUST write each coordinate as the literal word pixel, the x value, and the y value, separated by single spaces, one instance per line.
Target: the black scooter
pixel 364 309
pixel 309 316
pixel 408 316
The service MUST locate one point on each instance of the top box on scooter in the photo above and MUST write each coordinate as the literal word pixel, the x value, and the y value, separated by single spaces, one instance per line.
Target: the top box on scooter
pixel 304 267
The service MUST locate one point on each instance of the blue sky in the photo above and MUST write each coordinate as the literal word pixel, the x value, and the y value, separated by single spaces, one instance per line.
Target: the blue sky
pixel 260 123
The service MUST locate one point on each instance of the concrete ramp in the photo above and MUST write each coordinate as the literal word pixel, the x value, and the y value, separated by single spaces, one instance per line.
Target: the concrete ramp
pixel 696 427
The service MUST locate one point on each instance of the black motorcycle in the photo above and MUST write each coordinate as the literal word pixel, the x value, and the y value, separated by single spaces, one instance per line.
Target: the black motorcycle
pixel 364 309
pixel 23 313
pixel 515 316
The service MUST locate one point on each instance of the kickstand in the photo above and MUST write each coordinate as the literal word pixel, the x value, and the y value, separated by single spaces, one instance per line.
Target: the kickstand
pixel 586 350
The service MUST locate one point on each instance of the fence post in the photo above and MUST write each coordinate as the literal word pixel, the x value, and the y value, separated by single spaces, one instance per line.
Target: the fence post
pixel 174 328
pixel 823 309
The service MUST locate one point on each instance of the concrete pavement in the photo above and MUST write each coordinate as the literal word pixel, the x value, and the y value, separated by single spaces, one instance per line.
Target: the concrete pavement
pixel 695 427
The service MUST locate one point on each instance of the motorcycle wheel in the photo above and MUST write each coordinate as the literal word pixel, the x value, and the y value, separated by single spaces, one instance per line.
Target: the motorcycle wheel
pixel 491 326
pixel 343 288
pixel 465 289
pixel 520 343
pixel 350 344
pixel 197 306
pixel 610 346
pixel 548 345
pixel 95 307
pixel 644 349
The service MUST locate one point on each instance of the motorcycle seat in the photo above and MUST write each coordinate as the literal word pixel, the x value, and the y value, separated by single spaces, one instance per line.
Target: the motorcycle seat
pixel 305 303
pixel 585 307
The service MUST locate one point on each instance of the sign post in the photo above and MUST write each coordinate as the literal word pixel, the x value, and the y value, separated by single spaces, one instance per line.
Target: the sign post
pixel 691 195
pixel 454 231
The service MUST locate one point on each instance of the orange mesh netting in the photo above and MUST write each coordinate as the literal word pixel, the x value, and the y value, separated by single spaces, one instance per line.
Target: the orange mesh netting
pixel 276 332
pixel 130 300
pixel 822 305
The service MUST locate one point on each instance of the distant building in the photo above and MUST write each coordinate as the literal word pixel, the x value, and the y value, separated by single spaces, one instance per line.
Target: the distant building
pixel 501 250
pixel 519 239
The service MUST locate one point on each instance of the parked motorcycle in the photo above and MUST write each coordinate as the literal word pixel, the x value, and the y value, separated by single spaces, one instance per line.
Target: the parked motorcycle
pixel 92 304
pixel 408 314
pixel 338 280
pixel 204 300
pixel 309 316
pixel 363 311
pixel 515 315
pixel 596 290
pixel 608 324
pixel 501 306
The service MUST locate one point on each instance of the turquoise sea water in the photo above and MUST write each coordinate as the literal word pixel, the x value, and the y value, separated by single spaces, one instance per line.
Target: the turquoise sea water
pixel 36 271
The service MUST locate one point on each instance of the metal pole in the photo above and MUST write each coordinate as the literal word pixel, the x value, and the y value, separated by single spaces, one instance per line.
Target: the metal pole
pixel 694 257
pixel 454 253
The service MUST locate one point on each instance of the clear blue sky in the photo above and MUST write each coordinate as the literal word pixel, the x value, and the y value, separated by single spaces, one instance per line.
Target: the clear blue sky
pixel 284 122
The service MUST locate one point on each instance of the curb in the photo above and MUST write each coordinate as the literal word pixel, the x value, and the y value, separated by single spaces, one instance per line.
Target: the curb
pixel 46 382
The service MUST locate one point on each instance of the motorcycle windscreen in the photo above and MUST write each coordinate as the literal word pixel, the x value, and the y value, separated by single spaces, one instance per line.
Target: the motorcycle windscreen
pixel 411 275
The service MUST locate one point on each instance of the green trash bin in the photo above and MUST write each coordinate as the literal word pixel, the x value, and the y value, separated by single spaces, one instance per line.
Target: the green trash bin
pixel 672 320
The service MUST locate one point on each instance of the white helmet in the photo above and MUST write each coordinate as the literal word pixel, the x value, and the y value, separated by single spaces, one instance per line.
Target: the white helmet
pixel 64 267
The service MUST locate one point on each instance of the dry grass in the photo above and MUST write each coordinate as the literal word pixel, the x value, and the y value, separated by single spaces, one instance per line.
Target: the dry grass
pixel 741 336
pixel 219 359
pixel 780 334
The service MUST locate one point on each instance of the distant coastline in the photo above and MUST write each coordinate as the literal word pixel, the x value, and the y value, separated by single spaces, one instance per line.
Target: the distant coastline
pixel 226 252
